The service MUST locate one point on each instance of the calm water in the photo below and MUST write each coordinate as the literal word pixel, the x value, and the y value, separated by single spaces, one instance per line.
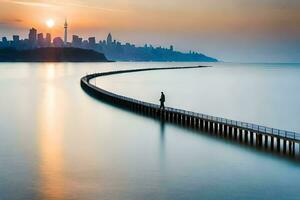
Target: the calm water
pixel 56 142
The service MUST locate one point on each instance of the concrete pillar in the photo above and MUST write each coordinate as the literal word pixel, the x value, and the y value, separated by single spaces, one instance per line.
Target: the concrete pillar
pixel 241 133
pixel 294 148
pixel 278 144
pixel 201 124
pixel 181 119
pixel 266 141
pixel 197 123
pixel 272 143
pixel 246 133
pixel 187 121
pixel 193 122
pixel 251 138
pixel 284 146
pixel 221 130
pixel 216 127
pixel 235 133
pixel 230 131
pixel 225 130
pixel 206 125
pixel 259 140
pixel 211 127
pixel 290 147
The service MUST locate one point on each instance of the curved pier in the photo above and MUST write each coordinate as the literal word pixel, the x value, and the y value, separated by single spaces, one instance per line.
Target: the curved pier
pixel 281 141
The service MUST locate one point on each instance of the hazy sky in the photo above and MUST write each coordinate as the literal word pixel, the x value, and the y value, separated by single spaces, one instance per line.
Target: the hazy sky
pixel 231 30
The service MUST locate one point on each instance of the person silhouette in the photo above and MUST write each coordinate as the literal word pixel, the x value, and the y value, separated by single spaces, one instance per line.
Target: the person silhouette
pixel 162 101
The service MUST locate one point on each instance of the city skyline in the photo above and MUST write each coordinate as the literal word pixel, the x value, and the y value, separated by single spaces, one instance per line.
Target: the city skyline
pixel 110 47
pixel 228 30
pixel 36 39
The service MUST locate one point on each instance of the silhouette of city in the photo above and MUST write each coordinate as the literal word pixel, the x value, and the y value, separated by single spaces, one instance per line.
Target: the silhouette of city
pixel 113 49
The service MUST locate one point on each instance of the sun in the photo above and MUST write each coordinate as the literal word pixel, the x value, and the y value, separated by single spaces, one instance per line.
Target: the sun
pixel 50 23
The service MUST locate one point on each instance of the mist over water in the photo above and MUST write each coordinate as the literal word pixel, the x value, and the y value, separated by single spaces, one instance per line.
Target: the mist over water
pixel 56 142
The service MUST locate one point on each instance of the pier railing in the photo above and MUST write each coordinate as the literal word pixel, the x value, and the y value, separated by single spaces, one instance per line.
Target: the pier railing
pixel 268 131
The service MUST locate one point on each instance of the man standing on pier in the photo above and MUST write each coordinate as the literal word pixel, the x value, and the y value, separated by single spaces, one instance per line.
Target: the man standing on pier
pixel 162 101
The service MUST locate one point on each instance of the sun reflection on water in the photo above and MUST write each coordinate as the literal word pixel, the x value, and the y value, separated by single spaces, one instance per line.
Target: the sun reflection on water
pixel 50 123
pixel 50 71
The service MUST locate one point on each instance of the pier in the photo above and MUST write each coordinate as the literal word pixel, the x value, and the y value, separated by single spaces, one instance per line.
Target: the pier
pixel 275 140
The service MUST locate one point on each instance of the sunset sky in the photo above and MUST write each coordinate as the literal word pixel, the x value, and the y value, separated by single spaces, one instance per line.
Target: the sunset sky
pixel 231 30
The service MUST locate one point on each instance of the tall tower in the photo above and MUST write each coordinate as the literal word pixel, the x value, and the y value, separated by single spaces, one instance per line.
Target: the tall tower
pixel 66 33
pixel 32 37
pixel 109 39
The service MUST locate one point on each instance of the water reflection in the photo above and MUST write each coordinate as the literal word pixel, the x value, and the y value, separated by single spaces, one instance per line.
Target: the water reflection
pixel 162 146
pixel 84 154
pixel 162 133
pixel 50 129
pixel 50 71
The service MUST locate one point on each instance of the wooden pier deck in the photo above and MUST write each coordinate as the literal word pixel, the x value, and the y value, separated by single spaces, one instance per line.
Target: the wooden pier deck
pixel 281 141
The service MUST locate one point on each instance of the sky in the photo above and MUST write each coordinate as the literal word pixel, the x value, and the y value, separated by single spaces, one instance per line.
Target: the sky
pixel 230 30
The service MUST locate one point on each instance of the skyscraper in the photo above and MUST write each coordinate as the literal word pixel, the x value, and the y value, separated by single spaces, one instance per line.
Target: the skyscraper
pixel 5 42
pixel 92 42
pixel 66 33
pixel 32 37
pixel 76 41
pixel 48 40
pixel 40 40
pixel 109 39
pixel 16 38
pixel 171 48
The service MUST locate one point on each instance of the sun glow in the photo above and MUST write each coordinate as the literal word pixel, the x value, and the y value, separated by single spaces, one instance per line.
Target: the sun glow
pixel 50 23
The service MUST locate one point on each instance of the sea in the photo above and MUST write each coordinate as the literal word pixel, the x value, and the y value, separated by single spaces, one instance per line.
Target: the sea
pixel 59 143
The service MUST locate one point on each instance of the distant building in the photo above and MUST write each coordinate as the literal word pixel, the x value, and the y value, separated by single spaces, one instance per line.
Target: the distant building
pixel 85 43
pixel 16 41
pixel 74 38
pixel 58 42
pixel 16 38
pixel 4 39
pixel 5 42
pixel 109 39
pixel 66 33
pixel 48 40
pixel 32 37
pixel 171 48
pixel 40 40
pixel 92 41
pixel 76 41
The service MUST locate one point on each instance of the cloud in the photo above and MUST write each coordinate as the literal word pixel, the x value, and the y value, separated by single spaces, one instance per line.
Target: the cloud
pixel 57 5
pixel 94 7
pixel 10 21
pixel 30 3
pixel 18 20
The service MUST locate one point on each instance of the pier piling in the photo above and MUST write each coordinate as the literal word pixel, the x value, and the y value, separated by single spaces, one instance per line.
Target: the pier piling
pixel 269 138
